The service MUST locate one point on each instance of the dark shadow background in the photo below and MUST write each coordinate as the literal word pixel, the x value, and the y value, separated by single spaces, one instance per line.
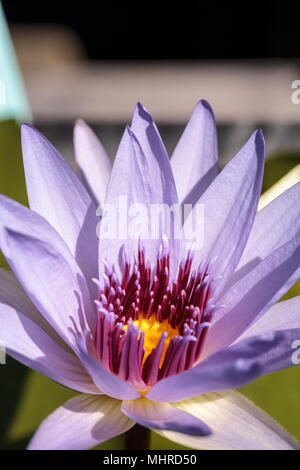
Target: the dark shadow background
pixel 206 29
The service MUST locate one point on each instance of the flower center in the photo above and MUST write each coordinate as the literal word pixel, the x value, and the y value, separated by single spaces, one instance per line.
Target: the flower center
pixel 153 330
pixel 149 327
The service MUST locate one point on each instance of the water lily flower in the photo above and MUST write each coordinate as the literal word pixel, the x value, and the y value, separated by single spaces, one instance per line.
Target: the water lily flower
pixel 150 331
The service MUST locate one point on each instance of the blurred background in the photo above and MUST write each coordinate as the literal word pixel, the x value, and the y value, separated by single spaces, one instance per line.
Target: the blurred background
pixel 60 61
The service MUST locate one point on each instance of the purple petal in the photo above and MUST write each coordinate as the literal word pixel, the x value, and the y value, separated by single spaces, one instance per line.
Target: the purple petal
pixel 284 355
pixel 236 424
pixel 12 294
pixel 254 294
pixel 145 130
pixel 224 370
pixel 195 158
pixel 131 180
pixel 164 188
pixel 93 163
pixel 164 416
pixel 28 343
pixel 46 269
pixel 230 205
pixel 81 423
pixel 273 226
pixel 56 193
pixel 108 382
pixel 281 316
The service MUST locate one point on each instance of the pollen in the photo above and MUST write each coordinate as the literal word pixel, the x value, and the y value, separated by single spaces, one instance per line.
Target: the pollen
pixel 153 330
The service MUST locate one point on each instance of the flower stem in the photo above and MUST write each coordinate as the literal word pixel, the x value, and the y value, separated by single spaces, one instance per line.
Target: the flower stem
pixel 137 438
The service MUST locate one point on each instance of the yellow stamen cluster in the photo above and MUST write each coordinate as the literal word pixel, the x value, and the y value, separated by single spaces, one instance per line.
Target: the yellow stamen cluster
pixel 153 330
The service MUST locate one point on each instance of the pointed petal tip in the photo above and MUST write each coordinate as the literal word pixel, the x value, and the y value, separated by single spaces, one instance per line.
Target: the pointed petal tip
pixel 203 109
pixel 139 106
pixel 80 123
pixel 128 131
pixel 132 135
pixel 259 143
pixel 143 112
pixel 258 135
pixel 28 131
pixel 28 128
pixel 256 142
pixel 205 104
pixel 24 125
pixel 81 127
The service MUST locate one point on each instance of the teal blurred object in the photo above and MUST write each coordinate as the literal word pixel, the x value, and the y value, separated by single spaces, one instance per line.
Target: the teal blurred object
pixel 13 100
pixel 14 109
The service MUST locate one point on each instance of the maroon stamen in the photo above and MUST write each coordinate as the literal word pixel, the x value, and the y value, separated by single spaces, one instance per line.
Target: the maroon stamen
pixel 141 293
